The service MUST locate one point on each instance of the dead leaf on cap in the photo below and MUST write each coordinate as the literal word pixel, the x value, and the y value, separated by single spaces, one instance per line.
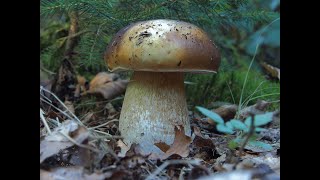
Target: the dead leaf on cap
pixel 180 144
pixel 108 85
pixel 71 173
pixel 56 141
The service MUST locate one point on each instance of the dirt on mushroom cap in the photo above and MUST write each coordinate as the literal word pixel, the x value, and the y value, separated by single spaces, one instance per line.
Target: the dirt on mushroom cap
pixel 162 46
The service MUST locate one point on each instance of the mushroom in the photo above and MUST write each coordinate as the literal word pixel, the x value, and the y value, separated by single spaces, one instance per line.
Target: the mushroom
pixel 159 52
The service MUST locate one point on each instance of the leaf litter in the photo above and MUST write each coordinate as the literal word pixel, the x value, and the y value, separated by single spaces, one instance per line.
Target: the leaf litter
pixel 92 148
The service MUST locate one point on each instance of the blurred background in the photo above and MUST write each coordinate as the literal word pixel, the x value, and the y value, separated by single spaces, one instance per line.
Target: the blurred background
pixel 247 33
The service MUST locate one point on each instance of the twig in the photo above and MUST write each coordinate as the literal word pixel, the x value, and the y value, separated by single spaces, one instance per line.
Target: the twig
pixel 250 133
pixel 110 136
pixel 74 27
pixel 171 162
pixel 44 121
pixel 78 144
pixel 74 116
pixel 101 125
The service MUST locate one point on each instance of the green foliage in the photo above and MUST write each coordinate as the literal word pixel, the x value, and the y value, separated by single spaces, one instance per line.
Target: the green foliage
pixel 227 84
pixel 212 115
pixel 259 120
pixel 233 25
pixel 251 143
pixel 103 18
pixel 237 125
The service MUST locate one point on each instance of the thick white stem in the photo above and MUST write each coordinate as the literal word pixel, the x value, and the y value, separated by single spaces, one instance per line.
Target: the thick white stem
pixel 153 106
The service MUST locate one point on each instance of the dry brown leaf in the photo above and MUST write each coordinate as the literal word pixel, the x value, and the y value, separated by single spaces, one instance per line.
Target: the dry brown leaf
pixel 273 71
pixel 203 142
pixel 258 108
pixel 197 131
pixel 108 85
pixel 180 144
pixel 124 149
pixel 71 173
pixel 227 112
pixel 56 141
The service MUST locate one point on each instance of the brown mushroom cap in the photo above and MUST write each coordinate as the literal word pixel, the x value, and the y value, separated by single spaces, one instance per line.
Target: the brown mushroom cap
pixel 162 46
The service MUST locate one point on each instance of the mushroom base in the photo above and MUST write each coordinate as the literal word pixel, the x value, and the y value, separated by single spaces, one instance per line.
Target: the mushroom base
pixel 154 105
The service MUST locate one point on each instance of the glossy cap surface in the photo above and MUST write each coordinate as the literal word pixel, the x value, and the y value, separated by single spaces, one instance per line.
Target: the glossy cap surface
pixel 162 46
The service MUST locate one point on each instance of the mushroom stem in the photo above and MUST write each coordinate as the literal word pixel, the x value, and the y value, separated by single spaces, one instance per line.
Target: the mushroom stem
pixel 153 106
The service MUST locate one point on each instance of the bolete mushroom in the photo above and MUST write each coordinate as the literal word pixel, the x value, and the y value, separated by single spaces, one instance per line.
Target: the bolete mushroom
pixel 159 52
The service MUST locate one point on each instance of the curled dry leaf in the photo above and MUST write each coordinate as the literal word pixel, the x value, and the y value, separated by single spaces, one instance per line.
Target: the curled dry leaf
pixel 108 85
pixel 56 141
pixel 180 144
pixel 71 173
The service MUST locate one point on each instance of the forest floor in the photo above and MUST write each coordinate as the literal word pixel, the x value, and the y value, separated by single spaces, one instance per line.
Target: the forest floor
pixel 80 139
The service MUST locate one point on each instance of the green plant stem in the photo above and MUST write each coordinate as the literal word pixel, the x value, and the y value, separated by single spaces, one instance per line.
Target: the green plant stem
pixel 250 133
pixel 253 58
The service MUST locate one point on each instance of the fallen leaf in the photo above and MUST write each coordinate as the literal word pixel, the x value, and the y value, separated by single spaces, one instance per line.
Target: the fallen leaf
pixel 203 142
pixel 272 135
pixel 71 173
pixel 180 144
pixel 133 161
pixel 227 112
pixel 200 141
pixel 272 71
pixel 108 85
pixel 56 141
pixel 124 148
pixel 80 157
pixel 197 131
pixel 258 108
pixel 271 160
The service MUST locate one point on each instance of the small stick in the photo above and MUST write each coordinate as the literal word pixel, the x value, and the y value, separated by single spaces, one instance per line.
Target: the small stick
pixel 78 144
pixel 74 116
pixel 101 125
pixel 44 121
